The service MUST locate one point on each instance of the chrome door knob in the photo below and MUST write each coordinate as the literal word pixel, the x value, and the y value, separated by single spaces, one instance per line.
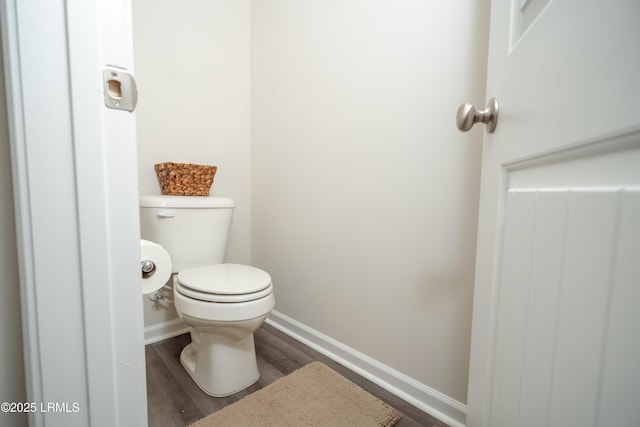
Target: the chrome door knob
pixel 468 116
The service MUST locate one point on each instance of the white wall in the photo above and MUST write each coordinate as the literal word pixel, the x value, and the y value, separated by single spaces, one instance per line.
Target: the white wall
pixel 364 193
pixel 333 126
pixel 12 382
pixel 192 69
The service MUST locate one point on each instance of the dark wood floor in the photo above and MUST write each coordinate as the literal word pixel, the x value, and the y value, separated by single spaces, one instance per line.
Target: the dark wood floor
pixel 174 400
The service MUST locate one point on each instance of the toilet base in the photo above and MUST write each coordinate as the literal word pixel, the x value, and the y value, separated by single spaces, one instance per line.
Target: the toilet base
pixel 220 365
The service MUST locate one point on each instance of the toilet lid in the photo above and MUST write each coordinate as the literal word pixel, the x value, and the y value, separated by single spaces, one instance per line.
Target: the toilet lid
pixel 225 279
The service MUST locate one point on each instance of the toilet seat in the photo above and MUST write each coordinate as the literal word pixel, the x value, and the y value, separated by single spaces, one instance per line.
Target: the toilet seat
pixel 224 283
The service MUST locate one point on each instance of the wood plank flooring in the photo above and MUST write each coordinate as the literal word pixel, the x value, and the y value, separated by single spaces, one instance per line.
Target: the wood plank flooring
pixel 175 401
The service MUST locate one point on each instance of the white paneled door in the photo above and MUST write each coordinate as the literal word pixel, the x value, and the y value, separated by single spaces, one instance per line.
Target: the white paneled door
pixel 556 324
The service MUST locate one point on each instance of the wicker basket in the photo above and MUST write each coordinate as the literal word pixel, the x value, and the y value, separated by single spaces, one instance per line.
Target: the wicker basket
pixel 185 179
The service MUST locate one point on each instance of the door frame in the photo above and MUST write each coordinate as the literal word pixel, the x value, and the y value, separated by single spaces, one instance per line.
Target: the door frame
pixel 74 168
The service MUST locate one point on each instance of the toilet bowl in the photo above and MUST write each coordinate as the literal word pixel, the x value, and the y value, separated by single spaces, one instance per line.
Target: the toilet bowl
pixel 223 304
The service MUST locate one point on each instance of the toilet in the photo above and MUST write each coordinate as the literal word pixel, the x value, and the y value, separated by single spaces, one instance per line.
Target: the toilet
pixel 222 303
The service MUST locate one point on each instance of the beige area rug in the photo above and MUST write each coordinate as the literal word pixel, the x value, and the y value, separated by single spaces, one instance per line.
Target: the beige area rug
pixel 314 395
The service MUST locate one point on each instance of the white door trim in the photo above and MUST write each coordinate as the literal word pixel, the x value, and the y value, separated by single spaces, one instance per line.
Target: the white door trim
pixel 75 188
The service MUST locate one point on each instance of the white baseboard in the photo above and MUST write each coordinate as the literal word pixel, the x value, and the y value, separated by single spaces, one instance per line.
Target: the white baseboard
pixel 431 401
pixel 161 331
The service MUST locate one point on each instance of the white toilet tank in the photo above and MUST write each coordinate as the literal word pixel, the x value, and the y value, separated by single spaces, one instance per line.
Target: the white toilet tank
pixel 193 229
